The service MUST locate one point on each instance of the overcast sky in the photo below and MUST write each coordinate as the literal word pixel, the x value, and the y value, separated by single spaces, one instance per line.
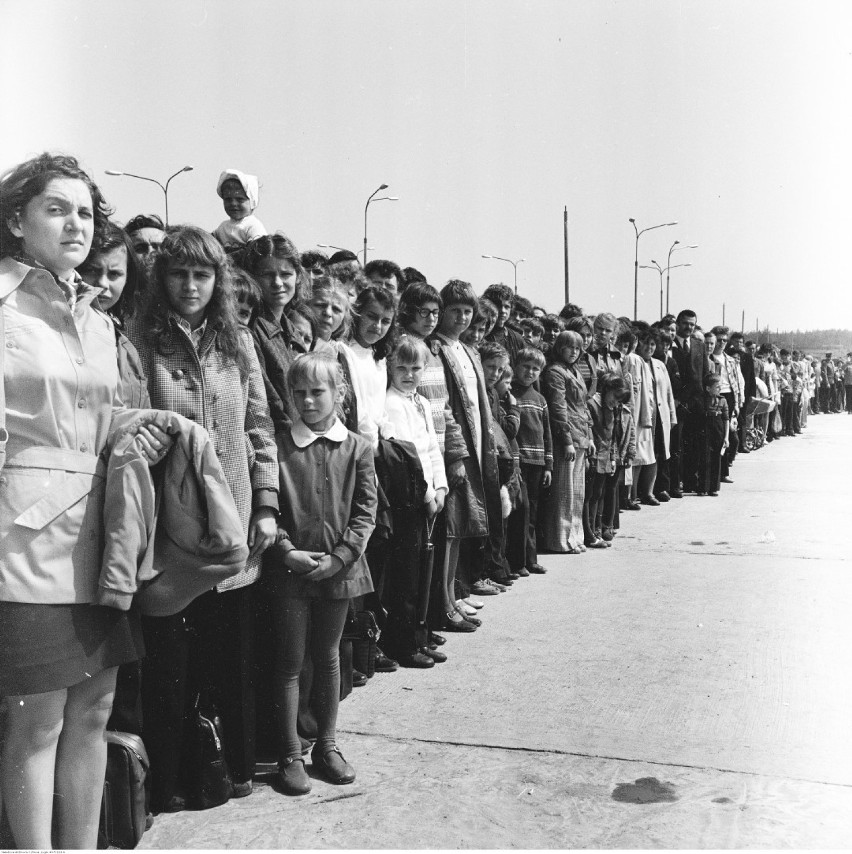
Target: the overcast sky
pixel 486 119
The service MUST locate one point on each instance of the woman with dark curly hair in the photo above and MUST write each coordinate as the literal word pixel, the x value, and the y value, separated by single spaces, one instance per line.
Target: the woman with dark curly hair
pixel 201 364
pixel 59 648
pixel 274 263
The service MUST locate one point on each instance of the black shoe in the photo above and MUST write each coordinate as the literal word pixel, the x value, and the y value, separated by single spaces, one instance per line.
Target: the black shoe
pixel 332 766
pixel 385 664
pixel 662 497
pixel 438 640
pixel 241 790
pixel 650 500
pixel 633 505
pixel 451 625
pixel 359 680
pixel 524 572
pixel 292 777
pixel 536 569
pixel 418 660
pixel 437 657
pixel 675 493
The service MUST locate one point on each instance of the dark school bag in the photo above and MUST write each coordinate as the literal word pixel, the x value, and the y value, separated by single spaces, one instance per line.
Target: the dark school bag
pixel 124 813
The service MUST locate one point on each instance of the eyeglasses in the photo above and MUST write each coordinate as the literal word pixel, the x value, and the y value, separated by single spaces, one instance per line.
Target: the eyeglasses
pixel 428 312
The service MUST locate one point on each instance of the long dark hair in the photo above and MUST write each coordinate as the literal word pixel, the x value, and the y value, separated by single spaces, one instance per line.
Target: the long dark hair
pixel 187 244
pixel 386 300
pixel 111 238
pixel 22 183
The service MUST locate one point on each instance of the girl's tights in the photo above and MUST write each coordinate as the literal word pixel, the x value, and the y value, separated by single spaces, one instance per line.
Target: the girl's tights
pixel 299 623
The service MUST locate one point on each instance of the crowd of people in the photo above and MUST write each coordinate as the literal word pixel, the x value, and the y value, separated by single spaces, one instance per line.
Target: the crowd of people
pixel 387 446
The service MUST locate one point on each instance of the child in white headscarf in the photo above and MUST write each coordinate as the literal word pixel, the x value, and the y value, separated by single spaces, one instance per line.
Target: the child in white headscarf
pixel 239 193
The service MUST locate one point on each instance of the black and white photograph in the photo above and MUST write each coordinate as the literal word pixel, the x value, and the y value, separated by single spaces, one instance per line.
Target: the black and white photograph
pixel 417 425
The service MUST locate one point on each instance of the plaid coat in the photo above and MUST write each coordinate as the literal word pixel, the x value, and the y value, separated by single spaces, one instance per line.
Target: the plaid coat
pixel 207 389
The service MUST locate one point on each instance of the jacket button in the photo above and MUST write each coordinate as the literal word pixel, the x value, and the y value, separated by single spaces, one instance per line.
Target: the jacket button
pixel 79 361
pixel 84 448
pixel 215 423
pixel 81 404
pixel 177 373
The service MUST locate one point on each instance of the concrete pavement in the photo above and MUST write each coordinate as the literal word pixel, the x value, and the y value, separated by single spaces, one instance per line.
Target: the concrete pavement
pixel 687 688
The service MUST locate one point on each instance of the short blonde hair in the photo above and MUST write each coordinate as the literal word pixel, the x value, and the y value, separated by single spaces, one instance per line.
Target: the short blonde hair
pixel 319 366
pixel 409 351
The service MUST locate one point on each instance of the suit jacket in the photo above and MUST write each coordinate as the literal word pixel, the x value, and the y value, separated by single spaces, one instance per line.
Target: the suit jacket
pixel 692 366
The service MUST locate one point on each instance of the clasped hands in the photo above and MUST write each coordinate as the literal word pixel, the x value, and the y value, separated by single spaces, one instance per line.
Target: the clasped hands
pixel 312 566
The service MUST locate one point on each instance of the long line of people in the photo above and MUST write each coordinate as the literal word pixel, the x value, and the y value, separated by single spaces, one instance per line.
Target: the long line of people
pixel 362 419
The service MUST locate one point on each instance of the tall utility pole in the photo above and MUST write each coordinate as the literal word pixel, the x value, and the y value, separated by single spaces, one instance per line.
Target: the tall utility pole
pixel 567 280
pixel 742 324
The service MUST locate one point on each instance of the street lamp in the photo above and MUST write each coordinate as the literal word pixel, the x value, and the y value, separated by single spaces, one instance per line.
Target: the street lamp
pixel 165 188
pixel 668 267
pixel 636 262
pixel 367 207
pixel 662 270
pixel 509 261
pixel 341 248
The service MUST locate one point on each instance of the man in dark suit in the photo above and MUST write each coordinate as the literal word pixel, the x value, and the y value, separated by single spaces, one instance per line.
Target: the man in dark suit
pixel 692 362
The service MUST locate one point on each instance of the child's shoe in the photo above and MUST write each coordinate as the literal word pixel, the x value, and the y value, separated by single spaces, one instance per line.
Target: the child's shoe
pixel 293 777
pixel 333 766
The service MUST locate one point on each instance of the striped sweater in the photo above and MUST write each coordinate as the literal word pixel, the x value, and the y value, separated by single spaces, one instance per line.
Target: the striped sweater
pixel 534 440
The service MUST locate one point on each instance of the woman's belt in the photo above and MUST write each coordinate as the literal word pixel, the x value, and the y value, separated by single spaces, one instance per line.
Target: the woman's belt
pixel 83 469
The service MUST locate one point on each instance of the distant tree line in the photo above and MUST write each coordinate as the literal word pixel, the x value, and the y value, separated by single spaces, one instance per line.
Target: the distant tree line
pixel 836 341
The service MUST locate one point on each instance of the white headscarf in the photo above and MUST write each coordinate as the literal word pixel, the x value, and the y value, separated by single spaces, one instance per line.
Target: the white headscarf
pixel 248 183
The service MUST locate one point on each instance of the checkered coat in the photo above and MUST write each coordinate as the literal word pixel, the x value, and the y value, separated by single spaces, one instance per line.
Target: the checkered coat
pixel 204 387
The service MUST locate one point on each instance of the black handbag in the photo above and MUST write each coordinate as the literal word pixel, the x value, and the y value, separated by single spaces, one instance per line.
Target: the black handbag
pixel 209 780
pixel 124 814
pixel 362 629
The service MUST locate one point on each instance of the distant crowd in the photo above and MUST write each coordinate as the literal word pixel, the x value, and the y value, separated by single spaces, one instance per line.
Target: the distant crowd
pixel 392 450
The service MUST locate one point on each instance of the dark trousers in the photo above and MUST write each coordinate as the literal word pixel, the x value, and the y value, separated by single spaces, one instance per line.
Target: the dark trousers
pixel 709 464
pixel 848 390
pixel 608 510
pixel 789 414
pixel 532 476
pixel 825 398
pixel 207 649
pixel 692 444
pixel 592 504
pixel 403 595
pixel 733 437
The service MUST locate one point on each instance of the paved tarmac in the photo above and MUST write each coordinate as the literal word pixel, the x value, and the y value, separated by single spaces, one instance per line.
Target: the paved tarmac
pixel 687 688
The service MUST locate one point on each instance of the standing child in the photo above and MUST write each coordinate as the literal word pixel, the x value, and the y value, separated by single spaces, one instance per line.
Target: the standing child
pixel 328 500
pixel 534 443
pixel 714 437
pixel 613 432
pixel 239 193
pixel 571 426
pixel 407 591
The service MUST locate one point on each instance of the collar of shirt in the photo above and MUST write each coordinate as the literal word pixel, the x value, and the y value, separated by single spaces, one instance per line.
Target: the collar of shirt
pixel 195 335
pixel 304 436
pixel 72 288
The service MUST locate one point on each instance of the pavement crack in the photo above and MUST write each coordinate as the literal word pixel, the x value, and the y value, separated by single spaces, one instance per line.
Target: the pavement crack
pixel 580 755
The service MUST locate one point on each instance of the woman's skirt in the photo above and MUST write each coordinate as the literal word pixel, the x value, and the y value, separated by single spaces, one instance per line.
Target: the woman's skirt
pixel 50 647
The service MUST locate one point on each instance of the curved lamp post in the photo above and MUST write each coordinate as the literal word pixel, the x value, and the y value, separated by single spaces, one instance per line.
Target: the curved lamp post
pixel 341 248
pixel 509 261
pixel 164 188
pixel 662 270
pixel 668 267
pixel 636 262
pixel 367 207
